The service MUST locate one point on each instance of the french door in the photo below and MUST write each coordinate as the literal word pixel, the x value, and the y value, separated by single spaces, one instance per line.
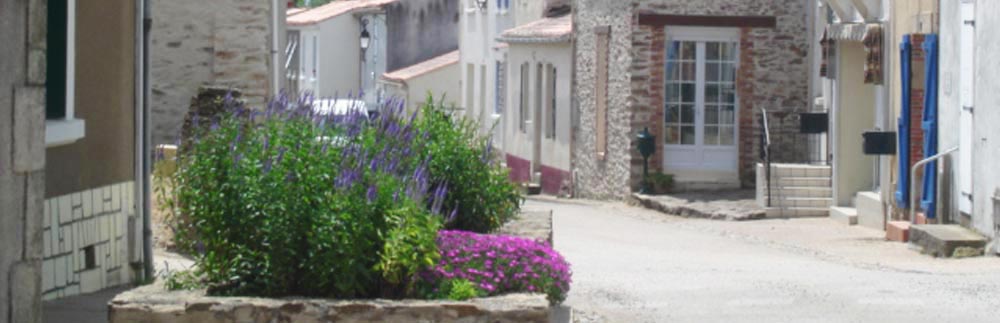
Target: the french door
pixel 700 109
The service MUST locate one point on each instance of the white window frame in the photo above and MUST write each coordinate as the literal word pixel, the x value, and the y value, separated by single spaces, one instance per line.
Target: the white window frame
pixel 68 129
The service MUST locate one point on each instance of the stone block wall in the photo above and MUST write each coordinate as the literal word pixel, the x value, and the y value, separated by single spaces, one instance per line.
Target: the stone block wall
pixel 773 74
pixel 92 223
pixel 197 43
pixel 22 157
pixel 151 303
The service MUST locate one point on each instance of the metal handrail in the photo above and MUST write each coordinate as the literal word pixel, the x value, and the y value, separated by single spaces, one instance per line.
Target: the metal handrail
pixel 913 178
pixel 766 152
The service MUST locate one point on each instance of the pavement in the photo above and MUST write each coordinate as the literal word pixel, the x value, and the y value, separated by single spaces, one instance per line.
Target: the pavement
pixel 87 308
pixel 631 264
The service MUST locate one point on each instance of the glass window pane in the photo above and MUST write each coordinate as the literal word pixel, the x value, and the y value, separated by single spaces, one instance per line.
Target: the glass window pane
pixel 671 114
pixel 687 135
pixel 687 92
pixel 712 93
pixel 727 135
pixel 687 113
pixel 673 50
pixel 673 71
pixel 673 134
pixel 727 114
pixel 711 114
pixel 727 93
pixel 728 51
pixel 687 71
pixel 711 72
pixel 727 72
pixel 711 135
pixel 712 51
pixel 688 50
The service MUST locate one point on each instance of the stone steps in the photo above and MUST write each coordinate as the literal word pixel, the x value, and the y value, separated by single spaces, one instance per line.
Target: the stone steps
pixel 947 240
pixel 844 215
pixel 796 190
pixel 797 212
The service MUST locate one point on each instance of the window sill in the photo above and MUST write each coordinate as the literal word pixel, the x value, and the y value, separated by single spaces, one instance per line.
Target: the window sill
pixel 63 132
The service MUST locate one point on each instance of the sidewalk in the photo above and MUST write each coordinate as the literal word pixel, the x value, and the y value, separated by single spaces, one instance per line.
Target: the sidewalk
pixel 732 205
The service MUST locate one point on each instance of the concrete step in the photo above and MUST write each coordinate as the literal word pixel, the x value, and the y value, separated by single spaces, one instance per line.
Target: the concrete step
pixel 845 215
pixel 814 202
pixel 532 188
pixel 801 191
pixel 898 231
pixel 799 181
pixel 797 212
pixel 796 170
pixel 871 213
pixel 947 240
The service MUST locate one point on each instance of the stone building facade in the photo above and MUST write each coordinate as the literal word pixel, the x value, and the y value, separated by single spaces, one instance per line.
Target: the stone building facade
pixel 226 43
pixel 22 158
pixel 621 56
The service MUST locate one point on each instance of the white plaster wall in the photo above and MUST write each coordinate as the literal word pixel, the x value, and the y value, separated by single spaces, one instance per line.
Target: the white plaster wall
pixel 986 117
pixel 949 104
pixel 477 42
pixel 854 113
pixel 442 83
pixel 555 151
pixel 99 218
pixel 339 56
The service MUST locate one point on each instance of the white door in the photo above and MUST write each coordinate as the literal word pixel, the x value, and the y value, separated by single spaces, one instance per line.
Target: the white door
pixel 967 84
pixel 700 100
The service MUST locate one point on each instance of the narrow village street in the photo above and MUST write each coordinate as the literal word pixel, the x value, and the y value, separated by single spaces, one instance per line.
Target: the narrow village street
pixel 634 265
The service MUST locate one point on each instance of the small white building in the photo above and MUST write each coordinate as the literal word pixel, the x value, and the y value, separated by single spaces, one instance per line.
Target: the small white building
pixel 325 48
pixel 537 125
pixel 438 76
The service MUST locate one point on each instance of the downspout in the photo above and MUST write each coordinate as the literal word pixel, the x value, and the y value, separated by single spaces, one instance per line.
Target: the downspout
pixel 276 48
pixel 145 166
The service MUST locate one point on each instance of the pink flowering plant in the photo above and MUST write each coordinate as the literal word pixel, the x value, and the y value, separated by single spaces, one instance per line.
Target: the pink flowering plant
pixel 499 264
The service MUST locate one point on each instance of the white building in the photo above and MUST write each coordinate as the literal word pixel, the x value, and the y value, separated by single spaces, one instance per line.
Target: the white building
pixel 438 77
pixel 536 126
pixel 484 59
pixel 325 48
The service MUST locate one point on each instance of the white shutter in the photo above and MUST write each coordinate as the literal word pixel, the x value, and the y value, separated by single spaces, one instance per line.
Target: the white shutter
pixel 967 84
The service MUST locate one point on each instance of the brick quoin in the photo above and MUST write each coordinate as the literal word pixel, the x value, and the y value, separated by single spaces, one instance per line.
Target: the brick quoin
pixel 745 94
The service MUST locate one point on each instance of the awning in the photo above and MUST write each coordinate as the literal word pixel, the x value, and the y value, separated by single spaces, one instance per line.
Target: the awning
pixel 851 31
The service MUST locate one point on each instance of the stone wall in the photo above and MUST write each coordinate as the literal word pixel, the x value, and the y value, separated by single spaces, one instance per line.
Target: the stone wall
pixel 420 30
pixel 217 43
pixel 22 157
pixel 90 224
pixel 152 304
pixel 773 74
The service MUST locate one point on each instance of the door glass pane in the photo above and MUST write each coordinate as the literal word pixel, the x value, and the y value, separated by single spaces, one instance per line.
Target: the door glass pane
pixel 727 92
pixel 711 135
pixel 727 114
pixel 728 51
pixel 687 113
pixel 727 72
pixel 712 72
pixel 711 115
pixel 687 135
pixel 712 51
pixel 712 93
pixel 673 134
pixel 687 92
pixel 727 135
pixel 671 114
pixel 687 71
pixel 687 50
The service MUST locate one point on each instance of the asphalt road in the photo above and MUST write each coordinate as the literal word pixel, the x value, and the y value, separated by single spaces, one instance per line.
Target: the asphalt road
pixel 634 265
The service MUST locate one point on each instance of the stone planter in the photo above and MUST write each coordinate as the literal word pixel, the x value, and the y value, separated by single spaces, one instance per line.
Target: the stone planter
pixel 152 303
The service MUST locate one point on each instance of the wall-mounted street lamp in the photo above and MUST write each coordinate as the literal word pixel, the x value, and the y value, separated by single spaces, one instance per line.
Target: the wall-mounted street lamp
pixel 481 4
pixel 366 38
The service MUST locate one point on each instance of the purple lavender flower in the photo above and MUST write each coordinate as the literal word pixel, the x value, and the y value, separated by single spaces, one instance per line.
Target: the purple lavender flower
pixel 372 193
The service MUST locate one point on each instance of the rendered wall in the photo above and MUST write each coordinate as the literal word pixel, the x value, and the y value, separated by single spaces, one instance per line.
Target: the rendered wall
pixel 853 115
pixel 986 117
pixel 555 152
pixel 196 43
pixel 22 158
pixel 420 30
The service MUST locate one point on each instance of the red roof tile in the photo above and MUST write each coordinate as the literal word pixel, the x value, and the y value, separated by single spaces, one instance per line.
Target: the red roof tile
pixel 433 64
pixel 544 30
pixel 332 9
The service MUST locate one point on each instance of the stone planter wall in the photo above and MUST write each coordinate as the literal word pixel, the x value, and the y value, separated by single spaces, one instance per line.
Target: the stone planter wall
pixel 155 305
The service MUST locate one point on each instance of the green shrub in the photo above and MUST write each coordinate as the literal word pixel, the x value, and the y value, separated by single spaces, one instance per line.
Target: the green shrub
pixel 286 202
pixel 481 197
